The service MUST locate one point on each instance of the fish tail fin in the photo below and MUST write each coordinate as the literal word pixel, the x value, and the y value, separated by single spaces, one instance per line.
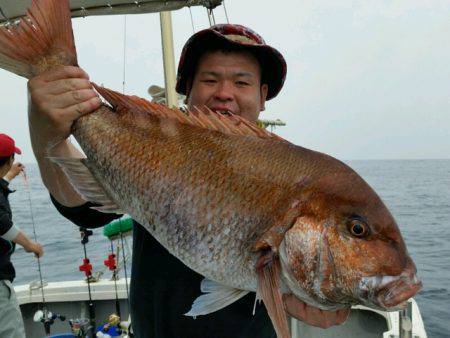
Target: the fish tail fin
pixel 39 41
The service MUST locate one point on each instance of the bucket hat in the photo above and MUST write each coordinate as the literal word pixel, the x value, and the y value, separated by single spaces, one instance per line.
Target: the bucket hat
pixel 273 65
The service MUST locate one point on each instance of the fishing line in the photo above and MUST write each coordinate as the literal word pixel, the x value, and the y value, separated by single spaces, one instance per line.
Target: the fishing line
pixel 115 282
pixel 211 18
pixel 124 261
pixel 225 9
pixel 192 20
pixel 27 188
pixel 124 51
pixel 86 267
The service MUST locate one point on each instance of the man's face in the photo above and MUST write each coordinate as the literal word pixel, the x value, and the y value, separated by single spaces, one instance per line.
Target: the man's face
pixel 228 82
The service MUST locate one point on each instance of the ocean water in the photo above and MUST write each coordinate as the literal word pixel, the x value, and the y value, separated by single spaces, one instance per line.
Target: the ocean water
pixel 416 191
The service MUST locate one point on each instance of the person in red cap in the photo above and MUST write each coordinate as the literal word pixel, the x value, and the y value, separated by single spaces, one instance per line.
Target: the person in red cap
pixel 226 68
pixel 11 323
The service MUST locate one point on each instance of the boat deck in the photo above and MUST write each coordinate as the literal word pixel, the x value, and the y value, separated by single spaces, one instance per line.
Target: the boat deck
pixel 70 298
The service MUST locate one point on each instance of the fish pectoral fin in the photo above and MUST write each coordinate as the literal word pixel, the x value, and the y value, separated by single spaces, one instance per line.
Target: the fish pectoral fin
pixel 216 297
pixel 85 183
pixel 268 271
pixel 271 239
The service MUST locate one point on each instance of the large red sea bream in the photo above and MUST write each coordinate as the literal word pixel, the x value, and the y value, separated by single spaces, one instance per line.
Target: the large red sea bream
pixel 244 208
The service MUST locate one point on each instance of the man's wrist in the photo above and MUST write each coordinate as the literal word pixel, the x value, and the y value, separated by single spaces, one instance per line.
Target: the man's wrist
pixel 10 176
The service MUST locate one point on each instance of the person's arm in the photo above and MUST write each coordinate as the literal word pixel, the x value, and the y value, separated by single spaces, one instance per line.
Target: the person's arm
pixel 56 99
pixel 15 170
pixel 54 179
pixel 28 244
pixel 12 233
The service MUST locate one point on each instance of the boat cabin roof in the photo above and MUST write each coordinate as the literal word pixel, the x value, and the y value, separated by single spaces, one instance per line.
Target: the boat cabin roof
pixel 12 10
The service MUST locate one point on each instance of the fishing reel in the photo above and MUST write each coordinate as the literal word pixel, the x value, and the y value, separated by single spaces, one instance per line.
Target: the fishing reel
pixel 85 234
pixel 80 327
pixel 111 328
pixel 114 328
pixel 47 318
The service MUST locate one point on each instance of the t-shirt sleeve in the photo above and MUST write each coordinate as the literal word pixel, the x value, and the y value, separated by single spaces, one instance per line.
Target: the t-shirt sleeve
pixel 83 215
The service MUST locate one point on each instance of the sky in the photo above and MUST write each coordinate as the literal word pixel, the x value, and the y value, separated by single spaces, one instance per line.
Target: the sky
pixel 366 79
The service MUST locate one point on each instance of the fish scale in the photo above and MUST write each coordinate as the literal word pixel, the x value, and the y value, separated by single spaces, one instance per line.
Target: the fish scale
pixel 185 194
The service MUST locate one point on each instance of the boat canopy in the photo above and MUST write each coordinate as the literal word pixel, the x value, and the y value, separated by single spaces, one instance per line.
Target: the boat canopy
pixel 11 10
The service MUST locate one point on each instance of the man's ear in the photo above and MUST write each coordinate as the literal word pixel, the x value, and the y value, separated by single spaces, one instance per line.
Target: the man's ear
pixel 264 90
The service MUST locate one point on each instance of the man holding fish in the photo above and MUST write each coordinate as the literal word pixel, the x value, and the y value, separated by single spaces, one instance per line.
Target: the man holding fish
pixel 228 69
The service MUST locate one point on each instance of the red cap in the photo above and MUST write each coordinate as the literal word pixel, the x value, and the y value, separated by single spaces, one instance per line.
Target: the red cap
pixel 8 146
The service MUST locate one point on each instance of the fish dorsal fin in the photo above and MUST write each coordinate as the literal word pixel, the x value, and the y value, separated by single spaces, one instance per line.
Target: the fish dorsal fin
pixel 227 124
pixel 85 184
pixel 39 41
pixel 216 296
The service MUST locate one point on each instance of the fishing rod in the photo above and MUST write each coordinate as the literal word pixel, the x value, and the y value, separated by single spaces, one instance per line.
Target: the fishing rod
pixel 124 262
pixel 114 230
pixel 113 319
pixel 114 324
pixel 117 230
pixel 86 267
pixel 112 266
pixel 44 316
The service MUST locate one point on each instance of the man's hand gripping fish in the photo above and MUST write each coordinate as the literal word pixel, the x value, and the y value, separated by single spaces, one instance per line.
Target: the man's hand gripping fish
pixel 244 208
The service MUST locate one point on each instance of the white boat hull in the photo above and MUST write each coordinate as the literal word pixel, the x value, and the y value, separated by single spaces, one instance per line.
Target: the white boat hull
pixel 70 298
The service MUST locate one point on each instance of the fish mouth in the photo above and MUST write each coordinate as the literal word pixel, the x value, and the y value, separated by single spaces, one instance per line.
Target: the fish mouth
pixel 389 293
pixel 395 294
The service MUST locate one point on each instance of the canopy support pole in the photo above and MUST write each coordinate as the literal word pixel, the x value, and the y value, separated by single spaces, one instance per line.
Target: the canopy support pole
pixel 168 58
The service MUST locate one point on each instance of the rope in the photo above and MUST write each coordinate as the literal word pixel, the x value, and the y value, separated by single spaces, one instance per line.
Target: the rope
pixel 211 18
pixel 192 21
pixel 124 52
pixel 225 9
pixel 27 188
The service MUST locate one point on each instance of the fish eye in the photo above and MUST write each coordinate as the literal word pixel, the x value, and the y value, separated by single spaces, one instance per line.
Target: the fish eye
pixel 358 228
